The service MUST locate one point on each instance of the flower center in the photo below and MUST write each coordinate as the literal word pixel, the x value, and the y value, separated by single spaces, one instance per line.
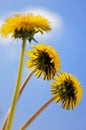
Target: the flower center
pixel 44 62
pixel 69 89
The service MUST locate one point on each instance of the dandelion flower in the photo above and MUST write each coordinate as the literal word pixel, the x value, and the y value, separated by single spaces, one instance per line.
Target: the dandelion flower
pixel 44 59
pixel 67 89
pixel 24 26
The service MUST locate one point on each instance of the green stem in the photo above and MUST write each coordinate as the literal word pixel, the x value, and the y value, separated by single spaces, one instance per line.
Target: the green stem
pixel 29 121
pixel 16 91
pixel 20 92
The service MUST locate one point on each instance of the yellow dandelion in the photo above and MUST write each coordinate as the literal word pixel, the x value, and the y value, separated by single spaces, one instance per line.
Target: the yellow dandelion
pixel 44 60
pixel 67 89
pixel 24 26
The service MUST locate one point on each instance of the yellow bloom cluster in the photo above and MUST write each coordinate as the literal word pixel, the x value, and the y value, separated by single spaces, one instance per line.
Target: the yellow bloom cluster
pixel 67 89
pixel 20 25
pixel 44 59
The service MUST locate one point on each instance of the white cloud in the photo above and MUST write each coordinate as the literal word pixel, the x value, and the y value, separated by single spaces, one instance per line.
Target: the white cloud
pixel 55 19
pixel 6 41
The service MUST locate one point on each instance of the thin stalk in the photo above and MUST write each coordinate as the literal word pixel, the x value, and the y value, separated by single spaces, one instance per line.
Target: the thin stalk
pixel 29 121
pixel 25 82
pixel 16 90
pixel 20 92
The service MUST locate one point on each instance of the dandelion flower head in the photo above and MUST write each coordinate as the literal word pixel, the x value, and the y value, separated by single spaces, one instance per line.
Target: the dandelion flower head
pixel 44 60
pixel 67 89
pixel 24 26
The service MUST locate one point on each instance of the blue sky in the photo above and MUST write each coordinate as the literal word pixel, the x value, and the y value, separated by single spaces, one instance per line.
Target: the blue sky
pixel 68 38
